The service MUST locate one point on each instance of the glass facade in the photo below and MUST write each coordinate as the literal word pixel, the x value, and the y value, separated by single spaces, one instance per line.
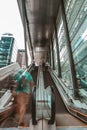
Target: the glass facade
pixel 76 14
pixel 55 55
pixel 7 52
pixel 51 53
pixel 64 60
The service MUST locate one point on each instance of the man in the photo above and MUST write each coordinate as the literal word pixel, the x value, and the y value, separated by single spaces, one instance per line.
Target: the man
pixel 23 94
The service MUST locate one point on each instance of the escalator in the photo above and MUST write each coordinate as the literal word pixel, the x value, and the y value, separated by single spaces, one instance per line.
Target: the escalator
pixel 9 118
pixel 63 117
pixel 43 105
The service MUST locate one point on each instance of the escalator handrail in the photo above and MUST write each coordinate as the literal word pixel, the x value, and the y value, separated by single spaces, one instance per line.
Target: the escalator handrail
pixel 34 122
pixel 52 118
pixel 69 107
pixel 29 69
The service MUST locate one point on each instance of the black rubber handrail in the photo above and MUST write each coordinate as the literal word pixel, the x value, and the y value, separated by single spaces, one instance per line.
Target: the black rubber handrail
pixel 52 119
pixel 34 122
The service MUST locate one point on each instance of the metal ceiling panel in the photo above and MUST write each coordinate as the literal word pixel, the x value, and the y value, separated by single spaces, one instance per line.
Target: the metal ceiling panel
pixel 41 15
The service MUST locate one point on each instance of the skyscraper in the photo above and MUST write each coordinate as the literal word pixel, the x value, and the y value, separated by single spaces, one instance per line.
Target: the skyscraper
pixel 8 50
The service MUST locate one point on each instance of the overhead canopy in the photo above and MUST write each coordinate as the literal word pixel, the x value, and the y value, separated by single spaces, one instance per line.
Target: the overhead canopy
pixel 40 18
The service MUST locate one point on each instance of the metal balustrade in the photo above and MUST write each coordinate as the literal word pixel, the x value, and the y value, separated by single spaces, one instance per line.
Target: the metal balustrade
pixel 7 95
pixel 9 70
pixel 5 99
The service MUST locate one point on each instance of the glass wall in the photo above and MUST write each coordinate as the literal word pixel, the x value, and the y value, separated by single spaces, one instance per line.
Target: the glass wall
pixel 55 54
pixel 64 61
pixel 76 14
pixel 51 53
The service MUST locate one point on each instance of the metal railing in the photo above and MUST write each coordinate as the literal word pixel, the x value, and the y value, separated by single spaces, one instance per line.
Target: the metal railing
pixel 9 70
pixel 6 107
pixel 7 95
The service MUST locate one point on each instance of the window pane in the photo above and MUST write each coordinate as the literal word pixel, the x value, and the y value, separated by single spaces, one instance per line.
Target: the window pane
pixel 65 68
pixel 76 14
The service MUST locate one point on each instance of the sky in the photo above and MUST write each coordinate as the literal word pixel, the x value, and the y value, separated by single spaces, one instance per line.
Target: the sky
pixel 10 21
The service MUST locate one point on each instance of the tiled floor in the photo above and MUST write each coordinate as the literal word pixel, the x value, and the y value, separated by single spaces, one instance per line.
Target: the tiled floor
pixel 42 125
pixel 72 128
pixel 66 119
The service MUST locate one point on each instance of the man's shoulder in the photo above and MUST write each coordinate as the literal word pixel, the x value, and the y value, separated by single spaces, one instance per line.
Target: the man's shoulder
pixel 28 76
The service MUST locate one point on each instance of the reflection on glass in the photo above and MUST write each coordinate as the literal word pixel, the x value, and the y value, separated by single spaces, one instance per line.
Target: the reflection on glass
pixel 55 54
pixel 76 14
pixel 65 69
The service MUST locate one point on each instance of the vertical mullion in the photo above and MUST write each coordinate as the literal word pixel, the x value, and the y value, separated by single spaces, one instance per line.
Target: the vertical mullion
pixel 69 51
pixel 58 56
